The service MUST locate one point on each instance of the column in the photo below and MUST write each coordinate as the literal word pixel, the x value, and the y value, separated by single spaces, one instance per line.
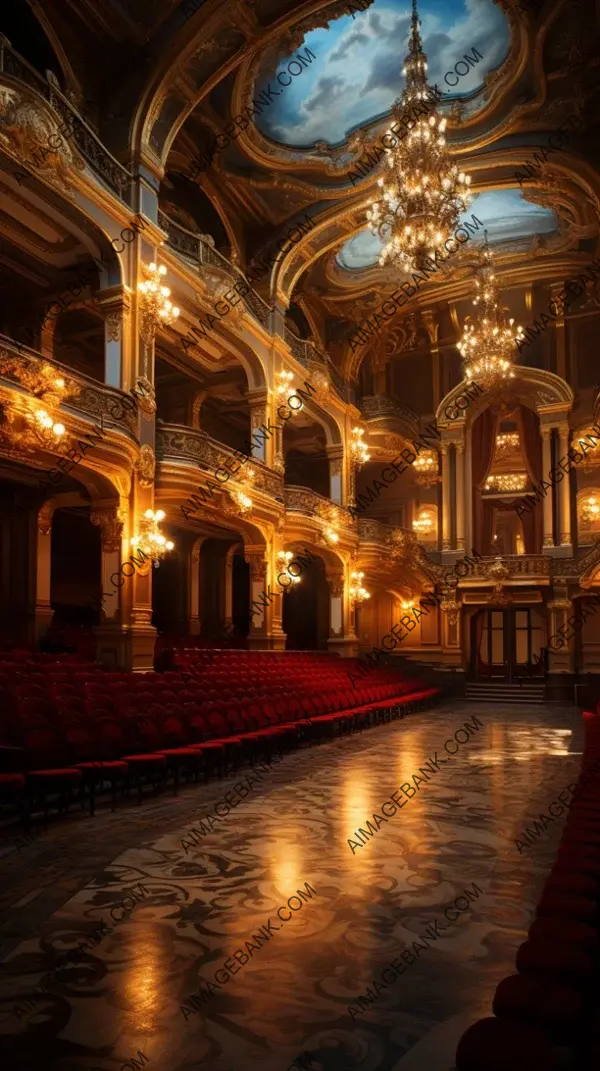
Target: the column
pixel 235 548
pixel 335 455
pixel 257 400
pixel 115 303
pixel 257 560
pixel 450 629
pixel 194 587
pixel 460 494
pixel 446 493
pixel 110 520
pixel 548 535
pixel 559 330
pixel 561 651
pixel 564 492
pixel 43 610
pixel 276 637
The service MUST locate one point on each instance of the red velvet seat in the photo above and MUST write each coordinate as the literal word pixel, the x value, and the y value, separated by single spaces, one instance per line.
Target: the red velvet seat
pixel 500 1045
pixel 542 1002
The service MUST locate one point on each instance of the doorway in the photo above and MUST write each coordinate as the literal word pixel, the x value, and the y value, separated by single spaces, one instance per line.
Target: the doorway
pixel 505 642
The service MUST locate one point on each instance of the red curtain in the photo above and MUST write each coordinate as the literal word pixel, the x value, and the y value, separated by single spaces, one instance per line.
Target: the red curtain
pixel 483 442
pixel 532 520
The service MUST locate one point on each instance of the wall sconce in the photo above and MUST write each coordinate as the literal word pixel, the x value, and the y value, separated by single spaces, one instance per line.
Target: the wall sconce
pixel 359 449
pixel 151 540
pixel 283 381
pixel 407 604
pixel 284 558
pixel 358 593
pixel 156 308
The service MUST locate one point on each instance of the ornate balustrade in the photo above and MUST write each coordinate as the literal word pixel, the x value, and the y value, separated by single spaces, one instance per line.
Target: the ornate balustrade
pixel 517 567
pixel 199 248
pixel 95 400
pixel 312 504
pixel 190 444
pixel 107 169
pixel 380 407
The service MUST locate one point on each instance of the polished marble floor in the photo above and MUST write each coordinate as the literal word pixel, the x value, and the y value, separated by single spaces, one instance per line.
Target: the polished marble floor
pixel 293 994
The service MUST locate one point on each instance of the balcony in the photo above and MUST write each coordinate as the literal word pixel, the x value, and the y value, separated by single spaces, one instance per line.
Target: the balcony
pixel 175 442
pixel 311 504
pixel 387 414
pixel 95 400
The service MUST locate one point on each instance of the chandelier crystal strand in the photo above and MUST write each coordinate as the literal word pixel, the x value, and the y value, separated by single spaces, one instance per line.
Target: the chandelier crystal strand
pixel 488 343
pixel 421 201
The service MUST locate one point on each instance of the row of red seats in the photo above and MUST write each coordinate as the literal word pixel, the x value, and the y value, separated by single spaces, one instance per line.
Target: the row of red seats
pixel 79 728
pixel 550 1007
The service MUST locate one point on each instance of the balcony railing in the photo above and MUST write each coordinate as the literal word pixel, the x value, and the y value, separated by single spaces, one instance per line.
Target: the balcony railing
pixel 382 407
pixel 94 399
pixel 108 170
pixel 197 249
pixel 312 504
pixel 522 565
pixel 191 444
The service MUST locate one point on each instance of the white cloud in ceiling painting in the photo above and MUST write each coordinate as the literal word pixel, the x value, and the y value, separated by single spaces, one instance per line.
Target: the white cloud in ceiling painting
pixel 505 214
pixel 357 72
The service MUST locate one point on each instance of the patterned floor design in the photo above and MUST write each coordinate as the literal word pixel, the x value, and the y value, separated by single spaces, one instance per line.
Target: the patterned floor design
pixel 124 997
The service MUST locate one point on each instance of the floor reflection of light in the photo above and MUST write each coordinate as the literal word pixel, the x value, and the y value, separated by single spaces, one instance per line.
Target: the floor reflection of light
pixel 143 986
pixel 533 743
pixel 287 865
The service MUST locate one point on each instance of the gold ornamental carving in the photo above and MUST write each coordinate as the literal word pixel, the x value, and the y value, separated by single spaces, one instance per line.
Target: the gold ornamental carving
pixel 27 130
pixel 258 565
pixel 44 518
pixel 112 323
pixel 147 403
pixel 336 586
pixel 110 522
pixel 145 466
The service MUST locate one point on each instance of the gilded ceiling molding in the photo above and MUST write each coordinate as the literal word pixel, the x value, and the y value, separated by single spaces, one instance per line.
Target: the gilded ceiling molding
pixel 209 46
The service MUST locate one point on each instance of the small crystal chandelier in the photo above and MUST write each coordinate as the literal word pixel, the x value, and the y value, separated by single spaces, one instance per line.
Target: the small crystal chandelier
pixel 156 308
pixel 487 344
pixel 151 540
pixel 590 510
pixel 423 524
pixel 283 381
pixel 358 593
pixel 507 481
pixel 358 449
pixel 425 468
pixel 420 205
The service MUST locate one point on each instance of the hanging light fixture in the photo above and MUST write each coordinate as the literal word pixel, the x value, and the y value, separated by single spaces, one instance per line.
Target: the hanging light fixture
pixel 421 202
pixel 359 449
pixel 49 389
pixel 151 540
pixel 425 468
pixel 487 344
pixel 156 308
pixel 358 593
pixel 423 524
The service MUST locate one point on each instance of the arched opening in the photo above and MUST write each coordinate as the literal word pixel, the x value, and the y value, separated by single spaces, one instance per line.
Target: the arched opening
pixel 76 567
pixel 169 611
pixel 506 464
pixel 306 461
pixel 79 342
pixel 305 616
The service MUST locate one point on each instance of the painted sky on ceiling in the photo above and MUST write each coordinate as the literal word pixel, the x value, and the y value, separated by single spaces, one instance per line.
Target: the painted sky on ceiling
pixel 505 214
pixel 357 73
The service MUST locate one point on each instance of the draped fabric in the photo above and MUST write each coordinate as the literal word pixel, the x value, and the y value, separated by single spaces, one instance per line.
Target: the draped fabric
pixel 532 520
pixel 488 526
pixel 483 443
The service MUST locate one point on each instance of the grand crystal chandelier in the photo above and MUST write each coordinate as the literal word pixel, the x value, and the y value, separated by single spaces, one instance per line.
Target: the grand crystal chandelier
pixel 150 539
pixel 487 344
pixel 421 202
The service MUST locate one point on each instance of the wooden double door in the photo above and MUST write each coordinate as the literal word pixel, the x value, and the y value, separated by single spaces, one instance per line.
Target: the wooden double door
pixel 505 643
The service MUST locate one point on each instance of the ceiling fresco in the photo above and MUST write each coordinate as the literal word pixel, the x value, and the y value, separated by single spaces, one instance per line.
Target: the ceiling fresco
pixel 357 71
pixel 507 216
